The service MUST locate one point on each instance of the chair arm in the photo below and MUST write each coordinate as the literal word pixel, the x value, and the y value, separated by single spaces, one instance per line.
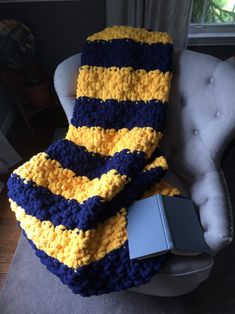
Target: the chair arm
pixel 210 194
pixel 65 83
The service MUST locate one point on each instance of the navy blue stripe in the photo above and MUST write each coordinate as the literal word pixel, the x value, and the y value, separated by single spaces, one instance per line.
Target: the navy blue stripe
pixel 128 53
pixel 43 204
pixel 83 163
pixel 113 114
pixel 114 272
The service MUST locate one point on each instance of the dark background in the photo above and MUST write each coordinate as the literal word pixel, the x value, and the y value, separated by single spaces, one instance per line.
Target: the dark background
pixel 59 27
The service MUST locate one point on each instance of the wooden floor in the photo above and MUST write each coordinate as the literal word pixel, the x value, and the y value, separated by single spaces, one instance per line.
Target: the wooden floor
pixel 27 145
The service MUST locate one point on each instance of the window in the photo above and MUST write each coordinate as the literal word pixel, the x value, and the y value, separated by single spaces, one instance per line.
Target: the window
pixel 19 1
pixel 212 22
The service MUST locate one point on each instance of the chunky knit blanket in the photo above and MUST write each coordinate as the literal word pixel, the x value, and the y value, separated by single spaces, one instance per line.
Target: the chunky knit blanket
pixel 72 200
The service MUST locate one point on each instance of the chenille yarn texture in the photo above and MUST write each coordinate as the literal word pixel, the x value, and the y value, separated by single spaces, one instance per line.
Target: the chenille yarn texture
pixel 71 201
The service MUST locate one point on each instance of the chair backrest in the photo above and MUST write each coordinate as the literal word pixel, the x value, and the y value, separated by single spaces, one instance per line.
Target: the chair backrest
pixel 200 122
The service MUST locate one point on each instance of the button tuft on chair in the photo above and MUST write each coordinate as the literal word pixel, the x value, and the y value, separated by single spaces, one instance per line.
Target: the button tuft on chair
pixel 212 80
pixel 195 132
pixel 218 113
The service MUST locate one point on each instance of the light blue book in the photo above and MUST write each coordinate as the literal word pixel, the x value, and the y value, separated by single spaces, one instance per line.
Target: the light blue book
pixel 160 223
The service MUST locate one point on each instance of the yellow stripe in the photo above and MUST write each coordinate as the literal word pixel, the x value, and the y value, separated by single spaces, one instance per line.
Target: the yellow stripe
pixel 157 162
pixel 73 248
pixel 50 174
pixel 138 34
pixel 107 142
pixel 123 83
pixel 163 188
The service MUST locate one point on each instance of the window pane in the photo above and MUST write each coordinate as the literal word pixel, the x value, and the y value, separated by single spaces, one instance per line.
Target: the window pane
pixel 213 11
pixel 197 11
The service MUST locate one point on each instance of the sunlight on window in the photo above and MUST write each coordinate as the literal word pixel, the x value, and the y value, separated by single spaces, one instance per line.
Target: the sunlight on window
pixel 229 5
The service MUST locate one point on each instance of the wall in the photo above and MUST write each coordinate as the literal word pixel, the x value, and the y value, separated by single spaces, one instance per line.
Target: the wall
pixel 60 29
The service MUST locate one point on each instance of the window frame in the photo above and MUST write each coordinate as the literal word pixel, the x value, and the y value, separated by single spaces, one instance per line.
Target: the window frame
pixel 207 34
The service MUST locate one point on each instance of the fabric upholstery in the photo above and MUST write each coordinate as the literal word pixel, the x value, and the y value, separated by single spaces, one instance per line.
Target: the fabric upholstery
pixel 200 123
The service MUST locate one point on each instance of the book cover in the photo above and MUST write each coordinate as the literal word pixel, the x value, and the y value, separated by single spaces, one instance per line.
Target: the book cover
pixel 161 223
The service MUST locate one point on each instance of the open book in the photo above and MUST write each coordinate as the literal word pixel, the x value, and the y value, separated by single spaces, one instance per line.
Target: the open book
pixel 159 223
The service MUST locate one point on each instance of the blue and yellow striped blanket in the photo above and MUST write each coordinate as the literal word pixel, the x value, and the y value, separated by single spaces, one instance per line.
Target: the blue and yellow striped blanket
pixel 71 200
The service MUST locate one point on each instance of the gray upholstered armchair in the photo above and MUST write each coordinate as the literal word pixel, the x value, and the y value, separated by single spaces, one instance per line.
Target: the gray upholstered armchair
pixel 200 123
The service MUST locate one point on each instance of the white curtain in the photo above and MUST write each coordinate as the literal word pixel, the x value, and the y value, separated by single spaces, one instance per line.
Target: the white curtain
pixel 172 16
